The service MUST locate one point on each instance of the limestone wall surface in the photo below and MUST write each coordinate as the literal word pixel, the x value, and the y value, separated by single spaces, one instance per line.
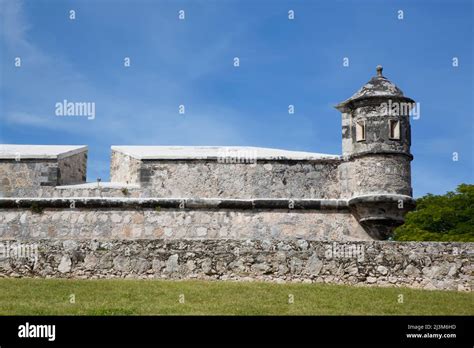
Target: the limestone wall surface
pixel 198 179
pixel 20 177
pixel 27 177
pixel 81 190
pixel 375 174
pixel 124 168
pixel 427 265
pixel 72 169
pixel 264 179
pixel 174 223
pixel 376 119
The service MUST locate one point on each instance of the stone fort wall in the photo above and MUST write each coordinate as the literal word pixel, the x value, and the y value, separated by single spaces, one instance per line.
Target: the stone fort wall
pixel 213 175
pixel 315 241
pixel 441 266
pixel 277 218
pixel 128 218
pixel 24 173
pixel 229 212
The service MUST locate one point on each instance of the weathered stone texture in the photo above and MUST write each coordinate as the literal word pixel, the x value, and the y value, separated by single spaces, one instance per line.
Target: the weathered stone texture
pixel 376 174
pixel 442 266
pixel 72 169
pixel 20 177
pixel 124 168
pixel 111 223
pixel 29 177
pixel 265 179
pixel 377 129
pixel 93 190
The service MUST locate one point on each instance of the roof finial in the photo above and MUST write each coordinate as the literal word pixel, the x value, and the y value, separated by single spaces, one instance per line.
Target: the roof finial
pixel 379 70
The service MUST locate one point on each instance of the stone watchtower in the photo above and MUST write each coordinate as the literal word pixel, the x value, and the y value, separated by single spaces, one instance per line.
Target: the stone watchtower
pixel 376 140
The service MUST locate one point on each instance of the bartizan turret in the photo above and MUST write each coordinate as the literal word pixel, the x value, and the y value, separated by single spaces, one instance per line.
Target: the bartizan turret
pixel 376 140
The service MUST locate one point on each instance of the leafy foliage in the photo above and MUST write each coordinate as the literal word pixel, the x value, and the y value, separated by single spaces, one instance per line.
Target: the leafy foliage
pixel 446 218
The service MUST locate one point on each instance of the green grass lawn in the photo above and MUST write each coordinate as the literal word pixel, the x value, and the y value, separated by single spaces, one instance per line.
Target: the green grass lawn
pixel 158 297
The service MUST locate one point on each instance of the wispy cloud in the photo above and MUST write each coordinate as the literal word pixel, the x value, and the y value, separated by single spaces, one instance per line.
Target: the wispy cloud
pixel 116 115
pixel 190 63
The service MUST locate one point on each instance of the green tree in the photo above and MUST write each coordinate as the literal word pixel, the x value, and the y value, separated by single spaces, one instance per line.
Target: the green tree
pixel 446 218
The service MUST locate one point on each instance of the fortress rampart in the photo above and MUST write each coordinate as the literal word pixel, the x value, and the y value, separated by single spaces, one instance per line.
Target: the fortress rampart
pixel 175 205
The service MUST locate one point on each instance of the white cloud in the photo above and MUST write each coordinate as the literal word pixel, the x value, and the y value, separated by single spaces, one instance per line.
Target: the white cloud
pixel 118 119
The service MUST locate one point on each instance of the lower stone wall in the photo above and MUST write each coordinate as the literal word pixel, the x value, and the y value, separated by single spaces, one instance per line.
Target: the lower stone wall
pixel 427 265
pixel 146 223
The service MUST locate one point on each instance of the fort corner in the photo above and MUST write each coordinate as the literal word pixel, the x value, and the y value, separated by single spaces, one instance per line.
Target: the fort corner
pixel 243 192
pixel 376 172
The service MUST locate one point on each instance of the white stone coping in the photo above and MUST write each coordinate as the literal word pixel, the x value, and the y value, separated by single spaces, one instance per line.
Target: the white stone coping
pixel 19 152
pixel 96 185
pixel 216 152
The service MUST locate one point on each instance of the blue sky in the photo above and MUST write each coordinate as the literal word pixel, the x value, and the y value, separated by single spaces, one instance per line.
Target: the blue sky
pixel 190 62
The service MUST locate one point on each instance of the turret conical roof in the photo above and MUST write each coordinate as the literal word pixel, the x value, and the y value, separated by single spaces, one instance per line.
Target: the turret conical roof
pixel 378 87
